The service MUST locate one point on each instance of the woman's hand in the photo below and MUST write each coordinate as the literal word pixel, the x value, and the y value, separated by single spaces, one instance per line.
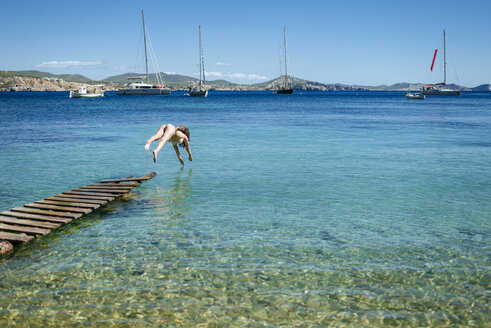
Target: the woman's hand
pixel 190 157
pixel 178 154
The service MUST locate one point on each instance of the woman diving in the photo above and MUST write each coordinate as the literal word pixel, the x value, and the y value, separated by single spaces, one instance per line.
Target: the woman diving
pixel 176 135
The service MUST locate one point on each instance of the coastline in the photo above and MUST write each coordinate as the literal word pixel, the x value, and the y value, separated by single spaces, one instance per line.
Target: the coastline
pixel 21 83
pixel 40 81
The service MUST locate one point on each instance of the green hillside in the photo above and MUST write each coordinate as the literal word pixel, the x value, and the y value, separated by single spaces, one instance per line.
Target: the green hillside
pixel 167 78
pixel 66 77
pixel 222 83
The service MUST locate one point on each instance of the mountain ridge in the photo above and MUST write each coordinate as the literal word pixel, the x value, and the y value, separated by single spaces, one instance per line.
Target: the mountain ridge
pixel 178 81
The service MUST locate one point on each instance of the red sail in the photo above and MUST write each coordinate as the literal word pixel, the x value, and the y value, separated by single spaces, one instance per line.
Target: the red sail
pixel 433 62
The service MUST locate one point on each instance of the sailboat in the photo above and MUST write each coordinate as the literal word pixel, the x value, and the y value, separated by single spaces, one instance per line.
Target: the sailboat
pixel 198 90
pixel 142 85
pixel 440 88
pixel 286 86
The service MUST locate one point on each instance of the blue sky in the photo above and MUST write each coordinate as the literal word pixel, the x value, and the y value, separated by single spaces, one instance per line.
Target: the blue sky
pixel 350 42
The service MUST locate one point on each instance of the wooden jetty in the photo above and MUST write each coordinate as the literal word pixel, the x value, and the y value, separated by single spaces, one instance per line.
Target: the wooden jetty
pixel 22 224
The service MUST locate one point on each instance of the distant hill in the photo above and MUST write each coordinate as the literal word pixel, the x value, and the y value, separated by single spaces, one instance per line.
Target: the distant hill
pixel 403 86
pixel 35 81
pixel 221 82
pixel 66 77
pixel 301 84
pixel 482 88
pixel 177 81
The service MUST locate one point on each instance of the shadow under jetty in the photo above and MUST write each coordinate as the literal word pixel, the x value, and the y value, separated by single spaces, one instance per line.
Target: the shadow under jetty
pixel 20 225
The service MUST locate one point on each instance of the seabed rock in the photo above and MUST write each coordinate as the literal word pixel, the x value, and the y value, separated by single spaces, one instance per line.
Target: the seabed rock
pixel 5 247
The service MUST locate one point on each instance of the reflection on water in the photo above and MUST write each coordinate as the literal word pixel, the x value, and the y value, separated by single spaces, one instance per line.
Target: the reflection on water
pixel 384 220
pixel 173 203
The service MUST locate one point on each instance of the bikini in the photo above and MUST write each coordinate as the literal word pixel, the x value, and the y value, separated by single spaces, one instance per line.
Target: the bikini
pixel 180 141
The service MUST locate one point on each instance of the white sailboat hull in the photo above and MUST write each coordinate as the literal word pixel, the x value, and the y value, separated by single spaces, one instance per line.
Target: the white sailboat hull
pixel 144 92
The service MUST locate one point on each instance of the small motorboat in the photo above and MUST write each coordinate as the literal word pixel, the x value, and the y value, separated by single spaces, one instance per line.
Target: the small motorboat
pixel 84 93
pixel 415 95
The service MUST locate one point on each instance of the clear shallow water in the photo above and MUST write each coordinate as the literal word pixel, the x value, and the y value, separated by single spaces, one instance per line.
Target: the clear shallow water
pixel 312 209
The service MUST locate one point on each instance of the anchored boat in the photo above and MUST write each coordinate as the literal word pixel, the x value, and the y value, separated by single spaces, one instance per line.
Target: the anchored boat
pixel 414 95
pixel 286 86
pixel 83 92
pixel 440 88
pixel 198 90
pixel 142 85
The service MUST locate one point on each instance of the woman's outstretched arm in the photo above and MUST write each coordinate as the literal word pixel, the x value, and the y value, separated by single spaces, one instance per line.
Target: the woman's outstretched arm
pixel 178 154
pixel 186 143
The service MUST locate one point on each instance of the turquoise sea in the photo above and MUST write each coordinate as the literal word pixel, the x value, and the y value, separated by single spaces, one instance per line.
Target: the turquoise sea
pixel 304 210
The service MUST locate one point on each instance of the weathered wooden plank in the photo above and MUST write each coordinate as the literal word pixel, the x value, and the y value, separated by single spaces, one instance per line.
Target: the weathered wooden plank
pixel 71 204
pixel 35 217
pixel 91 194
pixel 143 178
pixel 15 236
pixel 46 212
pixel 12 220
pixel 116 184
pixel 30 230
pixel 108 186
pixel 39 217
pixel 85 198
pixel 59 208
pixel 109 191
pixel 125 180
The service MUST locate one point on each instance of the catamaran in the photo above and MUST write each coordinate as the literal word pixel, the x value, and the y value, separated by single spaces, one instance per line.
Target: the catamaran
pixel 142 85
pixel 286 86
pixel 198 90
pixel 441 87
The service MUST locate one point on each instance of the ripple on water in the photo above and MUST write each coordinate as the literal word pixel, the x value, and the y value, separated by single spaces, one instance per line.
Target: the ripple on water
pixel 382 220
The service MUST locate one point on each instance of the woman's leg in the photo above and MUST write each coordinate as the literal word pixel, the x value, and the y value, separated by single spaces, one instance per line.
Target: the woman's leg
pixel 168 133
pixel 157 135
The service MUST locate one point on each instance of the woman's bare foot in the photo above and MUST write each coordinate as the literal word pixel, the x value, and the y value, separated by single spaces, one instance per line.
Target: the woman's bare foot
pixel 147 145
pixel 154 156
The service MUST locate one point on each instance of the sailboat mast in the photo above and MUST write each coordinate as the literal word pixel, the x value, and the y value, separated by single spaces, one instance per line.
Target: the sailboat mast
pixel 286 67
pixel 200 57
pixel 281 63
pixel 444 60
pixel 145 46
